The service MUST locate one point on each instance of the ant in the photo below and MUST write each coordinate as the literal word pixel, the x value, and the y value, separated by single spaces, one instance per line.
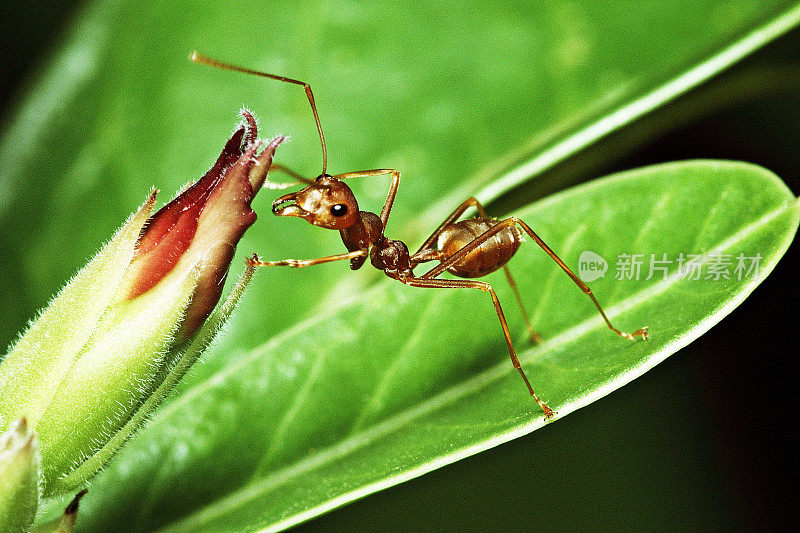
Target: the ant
pixel 471 248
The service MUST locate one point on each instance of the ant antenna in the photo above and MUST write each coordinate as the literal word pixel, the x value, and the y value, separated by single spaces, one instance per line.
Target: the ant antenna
pixel 197 57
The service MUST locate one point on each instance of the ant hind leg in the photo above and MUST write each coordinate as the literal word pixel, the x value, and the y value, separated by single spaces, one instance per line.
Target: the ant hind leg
pixel 513 221
pixel 426 253
pixel 483 286
pixel 535 337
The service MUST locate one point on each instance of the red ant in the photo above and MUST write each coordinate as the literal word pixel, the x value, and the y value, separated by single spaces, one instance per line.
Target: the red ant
pixel 471 248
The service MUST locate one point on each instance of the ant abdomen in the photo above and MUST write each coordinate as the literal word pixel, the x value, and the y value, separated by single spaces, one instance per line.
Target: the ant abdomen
pixel 486 258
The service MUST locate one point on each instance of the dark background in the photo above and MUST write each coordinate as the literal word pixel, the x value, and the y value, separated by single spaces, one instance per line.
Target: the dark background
pixel 722 454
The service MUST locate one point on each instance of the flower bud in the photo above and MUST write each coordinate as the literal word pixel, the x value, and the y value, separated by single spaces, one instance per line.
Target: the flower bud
pixel 115 340
pixel 19 477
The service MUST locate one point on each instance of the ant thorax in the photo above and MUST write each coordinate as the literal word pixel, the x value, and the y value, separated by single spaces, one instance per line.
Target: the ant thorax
pixel 362 235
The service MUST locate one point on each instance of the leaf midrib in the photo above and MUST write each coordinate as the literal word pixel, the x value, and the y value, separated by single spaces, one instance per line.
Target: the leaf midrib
pixel 485 378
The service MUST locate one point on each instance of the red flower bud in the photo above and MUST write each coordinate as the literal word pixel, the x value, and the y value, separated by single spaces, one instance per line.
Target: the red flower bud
pixel 204 224
pixel 118 338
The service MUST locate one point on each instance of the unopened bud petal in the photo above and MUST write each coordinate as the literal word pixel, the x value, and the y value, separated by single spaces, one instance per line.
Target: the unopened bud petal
pixel 114 375
pixel 19 478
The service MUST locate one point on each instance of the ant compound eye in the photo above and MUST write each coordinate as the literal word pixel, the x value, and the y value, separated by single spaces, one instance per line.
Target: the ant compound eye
pixel 339 210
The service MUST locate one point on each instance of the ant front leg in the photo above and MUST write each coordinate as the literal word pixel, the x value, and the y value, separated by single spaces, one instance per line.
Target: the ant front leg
pixel 387 205
pixel 483 286
pixel 299 263
pixel 426 252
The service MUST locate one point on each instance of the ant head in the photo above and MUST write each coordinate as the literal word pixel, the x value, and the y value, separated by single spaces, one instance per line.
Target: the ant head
pixel 327 202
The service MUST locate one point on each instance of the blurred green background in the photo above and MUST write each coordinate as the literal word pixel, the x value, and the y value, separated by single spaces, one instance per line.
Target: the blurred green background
pixel 722 454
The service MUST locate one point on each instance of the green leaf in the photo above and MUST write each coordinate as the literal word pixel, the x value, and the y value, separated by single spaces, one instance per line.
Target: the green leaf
pixel 400 381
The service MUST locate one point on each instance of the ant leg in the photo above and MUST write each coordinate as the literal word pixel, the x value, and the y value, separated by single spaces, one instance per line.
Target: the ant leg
pixel 482 285
pixel 426 253
pixel 299 263
pixel 277 167
pixel 452 217
pixel 535 337
pixel 513 221
pixel 387 205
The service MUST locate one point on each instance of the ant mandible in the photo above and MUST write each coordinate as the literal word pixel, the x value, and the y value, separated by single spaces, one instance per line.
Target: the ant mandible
pixel 471 248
